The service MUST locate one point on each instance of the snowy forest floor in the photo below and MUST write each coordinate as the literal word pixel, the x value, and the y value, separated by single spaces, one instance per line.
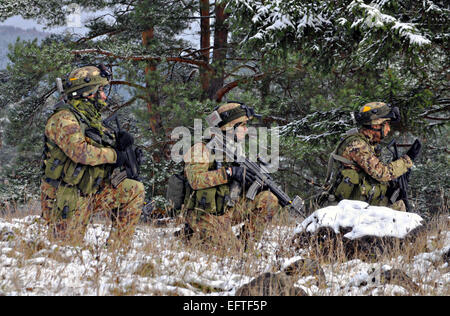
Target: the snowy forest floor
pixel 158 263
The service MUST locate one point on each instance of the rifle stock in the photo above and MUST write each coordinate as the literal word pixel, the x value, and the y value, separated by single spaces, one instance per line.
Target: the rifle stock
pixel 262 178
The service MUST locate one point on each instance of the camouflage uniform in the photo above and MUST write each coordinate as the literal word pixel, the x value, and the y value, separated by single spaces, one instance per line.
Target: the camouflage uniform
pixel 66 138
pixel 363 176
pixel 213 220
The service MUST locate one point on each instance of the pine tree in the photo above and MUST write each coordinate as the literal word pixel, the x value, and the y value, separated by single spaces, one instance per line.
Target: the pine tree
pixel 305 65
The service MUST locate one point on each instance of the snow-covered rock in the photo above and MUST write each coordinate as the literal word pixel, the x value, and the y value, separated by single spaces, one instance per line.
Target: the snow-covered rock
pixel 355 228
pixel 363 220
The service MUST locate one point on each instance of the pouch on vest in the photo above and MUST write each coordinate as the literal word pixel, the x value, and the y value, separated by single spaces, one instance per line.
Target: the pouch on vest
pixel 175 192
pixel 73 172
pixel 373 192
pixel 222 198
pixel 55 164
pixel 66 201
pixel 92 179
pixel 350 178
pixel 205 200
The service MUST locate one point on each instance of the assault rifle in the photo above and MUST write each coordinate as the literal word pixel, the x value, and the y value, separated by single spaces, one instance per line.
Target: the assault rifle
pixel 133 155
pixel 262 177
pixel 401 193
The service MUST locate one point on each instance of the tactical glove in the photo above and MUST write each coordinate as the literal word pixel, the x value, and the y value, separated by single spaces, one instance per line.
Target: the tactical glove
pixel 414 150
pixel 121 159
pixel 242 175
pixel 124 139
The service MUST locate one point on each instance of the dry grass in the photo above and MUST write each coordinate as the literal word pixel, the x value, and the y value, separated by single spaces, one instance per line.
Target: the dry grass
pixel 160 264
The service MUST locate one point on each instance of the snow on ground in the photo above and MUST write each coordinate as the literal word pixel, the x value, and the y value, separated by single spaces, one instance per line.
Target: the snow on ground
pixel 157 264
pixel 160 264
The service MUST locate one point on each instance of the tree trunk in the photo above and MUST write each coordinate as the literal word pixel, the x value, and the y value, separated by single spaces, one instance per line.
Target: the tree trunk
pixel 220 50
pixel 153 100
pixel 155 121
pixel 205 43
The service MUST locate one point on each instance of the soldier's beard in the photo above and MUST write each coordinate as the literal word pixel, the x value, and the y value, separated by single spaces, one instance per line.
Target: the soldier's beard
pixel 373 136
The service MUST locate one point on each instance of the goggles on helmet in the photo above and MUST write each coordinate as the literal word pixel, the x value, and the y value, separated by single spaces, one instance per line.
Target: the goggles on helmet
pixel 104 72
pixel 394 114
pixel 368 114
pixel 233 114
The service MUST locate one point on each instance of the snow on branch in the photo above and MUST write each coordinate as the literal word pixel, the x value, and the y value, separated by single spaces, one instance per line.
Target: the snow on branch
pixel 371 17
pixel 318 125
pixel 273 18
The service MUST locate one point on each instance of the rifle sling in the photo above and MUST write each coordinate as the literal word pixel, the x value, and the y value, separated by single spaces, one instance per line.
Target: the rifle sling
pixel 342 159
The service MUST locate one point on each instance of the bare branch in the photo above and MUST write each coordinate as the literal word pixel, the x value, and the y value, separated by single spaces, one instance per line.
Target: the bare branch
pixel 231 73
pixel 143 57
pixel 126 83
pixel 129 102
pixel 230 86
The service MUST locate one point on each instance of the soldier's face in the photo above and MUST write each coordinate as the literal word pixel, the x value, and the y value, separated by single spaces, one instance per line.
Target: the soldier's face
pixel 386 129
pixel 241 131
pixel 100 93
pixel 380 131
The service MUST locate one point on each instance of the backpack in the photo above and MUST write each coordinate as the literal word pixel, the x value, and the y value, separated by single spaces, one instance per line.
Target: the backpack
pixel 175 192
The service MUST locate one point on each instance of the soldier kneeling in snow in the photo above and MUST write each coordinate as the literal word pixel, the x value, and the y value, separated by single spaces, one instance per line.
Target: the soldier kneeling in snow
pixel 210 211
pixel 361 174
pixel 80 158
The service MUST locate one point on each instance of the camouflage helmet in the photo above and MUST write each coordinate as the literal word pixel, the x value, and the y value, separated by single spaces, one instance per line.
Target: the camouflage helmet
pixel 233 113
pixel 374 113
pixel 86 80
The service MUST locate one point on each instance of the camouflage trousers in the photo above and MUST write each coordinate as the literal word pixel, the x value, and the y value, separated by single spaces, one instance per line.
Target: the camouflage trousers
pixel 123 204
pixel 254 214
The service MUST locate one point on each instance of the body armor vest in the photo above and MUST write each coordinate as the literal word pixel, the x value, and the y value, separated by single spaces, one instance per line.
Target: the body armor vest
pixel 353 182
pixel 72 179
pixel 213 200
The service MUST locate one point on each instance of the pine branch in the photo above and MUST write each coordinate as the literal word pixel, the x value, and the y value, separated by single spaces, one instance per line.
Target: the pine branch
pixel 432 111
pixel 109 33
pixel 142 57
pixel 437 118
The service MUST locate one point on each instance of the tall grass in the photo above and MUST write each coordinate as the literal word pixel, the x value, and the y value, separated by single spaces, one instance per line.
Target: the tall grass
pixel 158 263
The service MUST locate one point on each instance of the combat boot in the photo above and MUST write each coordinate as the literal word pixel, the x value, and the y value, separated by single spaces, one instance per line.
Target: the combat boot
pixel 184 233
